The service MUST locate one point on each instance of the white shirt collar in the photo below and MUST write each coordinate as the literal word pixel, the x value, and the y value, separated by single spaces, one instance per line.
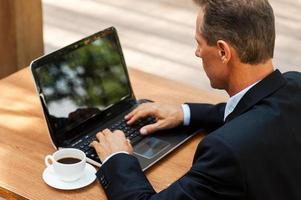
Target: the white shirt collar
pixel 233 101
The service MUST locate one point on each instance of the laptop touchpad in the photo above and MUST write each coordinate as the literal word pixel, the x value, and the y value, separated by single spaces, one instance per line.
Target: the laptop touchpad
pixel 150 147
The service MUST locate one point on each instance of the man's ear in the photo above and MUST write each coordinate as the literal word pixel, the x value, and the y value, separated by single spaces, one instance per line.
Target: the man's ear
pixel 224 51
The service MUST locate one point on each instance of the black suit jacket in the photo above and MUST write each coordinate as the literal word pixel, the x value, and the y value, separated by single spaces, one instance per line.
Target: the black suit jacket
pixel 255 154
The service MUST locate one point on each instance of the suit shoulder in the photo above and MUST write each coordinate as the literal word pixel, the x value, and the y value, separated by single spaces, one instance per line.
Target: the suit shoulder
pixel 293 76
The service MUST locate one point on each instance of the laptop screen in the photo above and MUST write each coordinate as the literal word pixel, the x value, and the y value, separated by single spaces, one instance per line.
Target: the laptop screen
pixel 82 81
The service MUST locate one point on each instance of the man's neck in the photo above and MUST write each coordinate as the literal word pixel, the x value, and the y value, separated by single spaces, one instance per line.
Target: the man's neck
pixel 244 75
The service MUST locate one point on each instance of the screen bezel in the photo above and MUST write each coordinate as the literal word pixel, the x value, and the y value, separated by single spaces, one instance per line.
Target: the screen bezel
pixel 105 115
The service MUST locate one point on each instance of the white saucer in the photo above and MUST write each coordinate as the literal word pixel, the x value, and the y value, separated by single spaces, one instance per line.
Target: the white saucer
pixel 52 180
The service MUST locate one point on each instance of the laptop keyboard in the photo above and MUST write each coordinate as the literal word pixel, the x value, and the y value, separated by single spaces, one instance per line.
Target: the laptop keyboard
pixel 131 132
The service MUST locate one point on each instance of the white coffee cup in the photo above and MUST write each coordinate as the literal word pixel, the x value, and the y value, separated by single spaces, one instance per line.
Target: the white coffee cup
pixel 64 167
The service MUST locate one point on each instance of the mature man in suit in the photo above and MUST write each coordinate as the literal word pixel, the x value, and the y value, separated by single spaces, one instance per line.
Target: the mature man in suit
pixel 254 148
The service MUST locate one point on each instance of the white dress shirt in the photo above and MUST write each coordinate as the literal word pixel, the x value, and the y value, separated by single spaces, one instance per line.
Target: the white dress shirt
pixel 233 101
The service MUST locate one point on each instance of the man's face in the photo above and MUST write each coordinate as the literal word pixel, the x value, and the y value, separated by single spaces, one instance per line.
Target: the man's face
pixel 215 69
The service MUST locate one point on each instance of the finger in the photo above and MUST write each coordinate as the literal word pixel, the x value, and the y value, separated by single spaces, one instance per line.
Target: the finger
pixel 106 132
pixel 95 145
pixel 134 112
pixel 100 150
pixel 131 114
pixel 129 141
pixel 141 114
pixel 100 136
pixel 151 128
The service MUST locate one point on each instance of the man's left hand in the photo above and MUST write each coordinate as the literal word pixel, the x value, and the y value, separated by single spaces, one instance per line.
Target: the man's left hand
pixel 111 142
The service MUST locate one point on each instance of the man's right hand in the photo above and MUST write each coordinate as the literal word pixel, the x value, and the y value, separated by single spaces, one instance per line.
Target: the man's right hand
pixel 166 116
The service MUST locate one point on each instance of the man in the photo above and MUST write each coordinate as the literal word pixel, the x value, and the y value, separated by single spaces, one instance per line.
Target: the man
pixel 254 149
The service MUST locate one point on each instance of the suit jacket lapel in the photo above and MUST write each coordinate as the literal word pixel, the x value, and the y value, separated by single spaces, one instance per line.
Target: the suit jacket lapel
pixel 264 88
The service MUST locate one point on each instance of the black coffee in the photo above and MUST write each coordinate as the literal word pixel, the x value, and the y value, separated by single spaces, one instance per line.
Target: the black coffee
pixel 68 160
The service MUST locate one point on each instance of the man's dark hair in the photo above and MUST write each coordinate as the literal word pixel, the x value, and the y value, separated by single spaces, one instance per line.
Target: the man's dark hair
pixel 248 25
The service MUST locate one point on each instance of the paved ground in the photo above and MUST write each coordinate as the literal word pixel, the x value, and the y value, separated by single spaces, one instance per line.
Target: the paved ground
pixel 158 35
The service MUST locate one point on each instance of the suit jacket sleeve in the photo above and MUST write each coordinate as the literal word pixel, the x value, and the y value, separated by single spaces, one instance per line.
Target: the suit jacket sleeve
pixel 207 116
pixel 214 175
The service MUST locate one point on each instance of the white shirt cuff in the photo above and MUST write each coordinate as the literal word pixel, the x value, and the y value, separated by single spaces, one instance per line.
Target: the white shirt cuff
pixel 113 154
pixel 186 112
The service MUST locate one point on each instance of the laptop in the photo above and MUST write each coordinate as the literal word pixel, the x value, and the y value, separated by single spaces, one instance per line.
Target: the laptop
pixel 85 88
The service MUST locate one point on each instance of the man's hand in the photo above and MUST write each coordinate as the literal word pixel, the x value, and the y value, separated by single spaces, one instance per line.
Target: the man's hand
pixel 167 116
pixel 111 142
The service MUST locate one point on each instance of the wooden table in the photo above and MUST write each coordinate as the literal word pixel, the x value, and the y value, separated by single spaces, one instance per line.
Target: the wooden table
pixel 24 140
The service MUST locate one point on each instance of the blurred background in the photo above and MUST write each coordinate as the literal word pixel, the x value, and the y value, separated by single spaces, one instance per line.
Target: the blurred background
pixel 157 36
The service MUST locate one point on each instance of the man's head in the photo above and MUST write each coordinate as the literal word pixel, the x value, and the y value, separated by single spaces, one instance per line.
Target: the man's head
pixel 233 29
